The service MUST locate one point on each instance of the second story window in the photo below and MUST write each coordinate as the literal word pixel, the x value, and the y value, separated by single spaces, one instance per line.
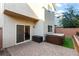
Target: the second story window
pixel 49 28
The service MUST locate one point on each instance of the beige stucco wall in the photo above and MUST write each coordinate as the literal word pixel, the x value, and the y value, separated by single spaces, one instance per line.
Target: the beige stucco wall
pixel 38 9
pixel 21 8
pixel 39 27
pixel 9 31
pixel 49 20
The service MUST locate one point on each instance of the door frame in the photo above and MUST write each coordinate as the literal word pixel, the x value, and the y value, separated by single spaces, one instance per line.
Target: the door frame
pixel 24 34
pixel 1 39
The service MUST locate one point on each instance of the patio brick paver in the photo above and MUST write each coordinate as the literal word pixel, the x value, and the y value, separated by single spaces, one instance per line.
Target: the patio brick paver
pixel 40 49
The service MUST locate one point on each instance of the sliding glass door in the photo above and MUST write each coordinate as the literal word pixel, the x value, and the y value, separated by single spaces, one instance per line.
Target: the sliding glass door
pixel 23 33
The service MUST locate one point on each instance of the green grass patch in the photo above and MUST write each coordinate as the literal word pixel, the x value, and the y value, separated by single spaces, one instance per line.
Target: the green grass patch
pixel 68 42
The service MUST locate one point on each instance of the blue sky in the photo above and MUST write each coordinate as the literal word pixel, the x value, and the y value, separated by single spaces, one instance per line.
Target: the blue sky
pixel 61 7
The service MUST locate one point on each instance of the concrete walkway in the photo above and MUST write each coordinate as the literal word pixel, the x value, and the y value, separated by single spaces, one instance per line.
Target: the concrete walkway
pixel 40 49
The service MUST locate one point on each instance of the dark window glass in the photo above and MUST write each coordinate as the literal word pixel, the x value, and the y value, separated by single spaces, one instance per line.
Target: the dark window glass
pixel 49 28
pixel 20 33
pixel 27 32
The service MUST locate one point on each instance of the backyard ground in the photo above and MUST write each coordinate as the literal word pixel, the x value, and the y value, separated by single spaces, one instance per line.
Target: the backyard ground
pixel 40 49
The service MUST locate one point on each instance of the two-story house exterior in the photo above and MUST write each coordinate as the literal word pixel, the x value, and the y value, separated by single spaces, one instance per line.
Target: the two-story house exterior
pixel 21 21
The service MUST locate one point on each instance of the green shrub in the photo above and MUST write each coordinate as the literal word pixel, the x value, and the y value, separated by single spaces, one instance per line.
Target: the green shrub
pixel 68 42
pixel 70 18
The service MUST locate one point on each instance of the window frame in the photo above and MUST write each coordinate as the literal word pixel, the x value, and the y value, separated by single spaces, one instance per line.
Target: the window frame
pixel 49 28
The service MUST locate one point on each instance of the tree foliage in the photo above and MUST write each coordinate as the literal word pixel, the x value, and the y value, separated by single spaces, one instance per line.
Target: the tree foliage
pixel 70 18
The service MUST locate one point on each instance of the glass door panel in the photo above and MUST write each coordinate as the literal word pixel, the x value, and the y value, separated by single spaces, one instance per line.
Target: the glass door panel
pixel 20 33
